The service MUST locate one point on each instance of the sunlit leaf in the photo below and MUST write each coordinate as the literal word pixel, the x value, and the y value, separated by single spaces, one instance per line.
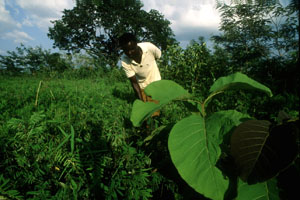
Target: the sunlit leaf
pixel 194 148
pixel 238 81
pixel 164 91
pixel 195 159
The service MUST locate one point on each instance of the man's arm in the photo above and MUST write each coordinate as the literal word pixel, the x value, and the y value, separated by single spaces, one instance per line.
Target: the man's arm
pixel 136 87
pixel 155 51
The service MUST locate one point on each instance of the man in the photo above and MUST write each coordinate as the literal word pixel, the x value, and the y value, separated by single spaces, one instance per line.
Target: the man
pixel 139 64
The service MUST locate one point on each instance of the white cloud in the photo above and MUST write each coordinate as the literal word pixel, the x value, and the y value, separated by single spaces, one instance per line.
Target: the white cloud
pixel 206 16
pixel 45 8
pixel 41 12
pixel 189 18
pixel 9 27
pixel 27 22
pixel 192 13
pixel 17 36
pixel 6 21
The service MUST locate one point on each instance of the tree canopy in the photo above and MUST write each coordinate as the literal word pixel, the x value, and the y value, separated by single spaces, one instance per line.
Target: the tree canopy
pixel 260 30
pixel 95 25
pixel 261 39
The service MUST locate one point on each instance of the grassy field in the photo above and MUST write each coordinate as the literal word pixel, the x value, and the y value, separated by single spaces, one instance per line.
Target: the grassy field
pixel 73 139
pixel 70 139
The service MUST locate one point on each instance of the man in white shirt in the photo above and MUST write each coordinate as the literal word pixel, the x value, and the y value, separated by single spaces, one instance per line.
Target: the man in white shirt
pixel 139 64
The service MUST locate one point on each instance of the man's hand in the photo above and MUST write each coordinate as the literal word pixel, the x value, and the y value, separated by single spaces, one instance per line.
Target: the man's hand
pixel 136 87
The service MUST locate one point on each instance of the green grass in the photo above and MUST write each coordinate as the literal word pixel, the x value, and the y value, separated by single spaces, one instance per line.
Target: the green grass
pixel 64 101
pixel 73 139
pixel 64 139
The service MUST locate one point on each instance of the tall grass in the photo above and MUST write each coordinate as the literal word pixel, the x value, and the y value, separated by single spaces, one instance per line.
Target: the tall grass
pixel 71 139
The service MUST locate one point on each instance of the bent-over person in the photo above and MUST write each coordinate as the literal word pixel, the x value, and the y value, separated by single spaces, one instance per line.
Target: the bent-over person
pixel 139 64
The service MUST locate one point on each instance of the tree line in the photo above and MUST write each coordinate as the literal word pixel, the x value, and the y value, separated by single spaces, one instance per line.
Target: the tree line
pixel 258 38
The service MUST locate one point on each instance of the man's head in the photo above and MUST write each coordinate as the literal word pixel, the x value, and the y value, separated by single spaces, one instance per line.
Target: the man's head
pixel 128 44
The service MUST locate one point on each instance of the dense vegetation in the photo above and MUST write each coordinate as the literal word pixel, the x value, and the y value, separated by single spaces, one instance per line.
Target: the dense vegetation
pixel 225 154
pixel 67 121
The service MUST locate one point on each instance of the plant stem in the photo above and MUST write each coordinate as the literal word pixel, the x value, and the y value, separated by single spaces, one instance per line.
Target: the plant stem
pixel 206 100
pixel 37 94
pixel 211 96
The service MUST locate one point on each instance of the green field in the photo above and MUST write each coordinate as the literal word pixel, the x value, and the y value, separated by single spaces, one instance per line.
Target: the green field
pixel 68 138
pixel 73 139
pixel 71 127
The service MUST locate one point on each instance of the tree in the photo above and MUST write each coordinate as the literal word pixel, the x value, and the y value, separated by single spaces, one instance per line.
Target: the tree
pixel 189 67
pixel 261 40
pixel 32 59
pixel 8 63
pixel 55 62
pixel 95 25
pixel 257 31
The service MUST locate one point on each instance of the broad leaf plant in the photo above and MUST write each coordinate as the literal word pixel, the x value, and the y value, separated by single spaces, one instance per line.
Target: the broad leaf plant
pixel 258 149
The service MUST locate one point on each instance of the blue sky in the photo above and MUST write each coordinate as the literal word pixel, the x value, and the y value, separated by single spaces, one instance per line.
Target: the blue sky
pixel 27 21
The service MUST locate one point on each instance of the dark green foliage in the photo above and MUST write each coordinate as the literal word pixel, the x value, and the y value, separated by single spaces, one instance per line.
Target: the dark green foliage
pixel 252 31
pixel 189 67
pixel 261 40
pixel 6 191
pixel 261 151
pixel 199 144
pixel 9 63
pixel 72 141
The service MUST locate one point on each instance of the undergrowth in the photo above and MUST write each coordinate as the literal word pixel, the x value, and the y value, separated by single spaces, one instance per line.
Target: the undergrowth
pixel 72 139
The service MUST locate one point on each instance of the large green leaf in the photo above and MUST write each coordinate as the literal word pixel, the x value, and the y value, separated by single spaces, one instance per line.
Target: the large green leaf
pixel 238 81
pixel 164 91
pixel 141 111
pixel 223 122
pixel 262 191
pixel 247 143
pixel 194 149
pixel 261 153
